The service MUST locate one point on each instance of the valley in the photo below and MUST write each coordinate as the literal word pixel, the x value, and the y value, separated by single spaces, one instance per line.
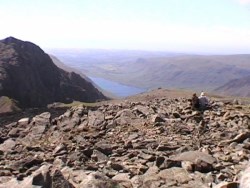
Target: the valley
pixel 150 70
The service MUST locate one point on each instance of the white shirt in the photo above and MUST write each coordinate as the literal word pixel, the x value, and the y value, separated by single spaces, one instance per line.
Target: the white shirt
pixel 203 101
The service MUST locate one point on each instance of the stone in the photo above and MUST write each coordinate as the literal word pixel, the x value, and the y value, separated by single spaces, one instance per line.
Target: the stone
pixel 60 150
pixel 104 148
pixel 159 161
pixel 110 117
pixel 116 166
pixel 176 115
pixel 146 156
pixel 43 119
pixel 8 145
pixel 203 166
pixel 99 156
pixel 98 180
pixel 14 132
pixel 59 181
pixel 145 110
pixel 239 138
pixel 24 121
pixel 193 156
pixel 75 177
pixel 227 185
pixel 156 119
pixel 95 118
pixel 83 127
pixel 187 165
pixel 41 177
pixel 31 161
pixel 176 174
pixel 123 179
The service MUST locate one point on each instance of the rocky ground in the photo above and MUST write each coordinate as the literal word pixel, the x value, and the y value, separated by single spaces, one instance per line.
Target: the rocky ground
pixel 158 142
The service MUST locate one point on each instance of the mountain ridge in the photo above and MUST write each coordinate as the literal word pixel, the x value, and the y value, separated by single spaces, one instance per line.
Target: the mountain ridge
pixel 28 75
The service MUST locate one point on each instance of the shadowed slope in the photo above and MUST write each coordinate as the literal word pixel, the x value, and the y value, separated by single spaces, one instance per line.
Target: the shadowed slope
pixel 28 75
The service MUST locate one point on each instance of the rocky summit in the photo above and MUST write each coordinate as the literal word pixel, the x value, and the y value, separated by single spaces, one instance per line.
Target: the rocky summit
pixel 29 76
pixel 152 143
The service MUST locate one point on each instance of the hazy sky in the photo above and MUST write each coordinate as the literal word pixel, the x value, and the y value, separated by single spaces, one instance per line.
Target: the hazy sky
pixel 175 25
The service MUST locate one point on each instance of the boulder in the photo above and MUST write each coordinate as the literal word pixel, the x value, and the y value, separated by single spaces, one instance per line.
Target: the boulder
pixel 8 145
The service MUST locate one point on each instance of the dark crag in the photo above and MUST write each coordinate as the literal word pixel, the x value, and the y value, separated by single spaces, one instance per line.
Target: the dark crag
pixel 29 76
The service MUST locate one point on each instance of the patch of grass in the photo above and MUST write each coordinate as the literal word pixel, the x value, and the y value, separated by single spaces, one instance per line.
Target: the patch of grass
pixel 74 103
pixel 8 105
pixel 5 100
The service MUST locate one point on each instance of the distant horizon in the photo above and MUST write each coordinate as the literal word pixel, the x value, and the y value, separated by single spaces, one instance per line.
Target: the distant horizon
pixel 185 26
pixel 142 50
pixel 145 50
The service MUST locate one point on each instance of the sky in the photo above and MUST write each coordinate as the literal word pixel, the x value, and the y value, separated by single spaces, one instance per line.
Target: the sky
pixel 199 26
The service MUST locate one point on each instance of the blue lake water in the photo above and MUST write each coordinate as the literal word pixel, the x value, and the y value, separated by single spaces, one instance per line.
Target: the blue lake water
pixel 117 89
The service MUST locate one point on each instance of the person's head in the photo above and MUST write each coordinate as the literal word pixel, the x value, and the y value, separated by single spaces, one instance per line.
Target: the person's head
pixel 194 95
pixel 202 94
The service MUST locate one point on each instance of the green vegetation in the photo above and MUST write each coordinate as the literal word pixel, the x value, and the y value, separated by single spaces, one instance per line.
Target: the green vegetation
pixel 74 103
pixel 5 101
pixel 8 105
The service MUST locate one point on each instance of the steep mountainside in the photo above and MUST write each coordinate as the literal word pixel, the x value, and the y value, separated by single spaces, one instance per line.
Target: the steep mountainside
pixel 63 66
pixel 28 75
pixel 236 87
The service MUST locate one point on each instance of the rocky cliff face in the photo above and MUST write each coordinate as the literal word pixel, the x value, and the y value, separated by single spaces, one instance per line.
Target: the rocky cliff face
pixel 129 144
pixel 28 75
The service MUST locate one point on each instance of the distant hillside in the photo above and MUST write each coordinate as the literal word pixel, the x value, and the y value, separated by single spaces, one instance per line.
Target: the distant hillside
pixel 236 87
pixel 66 68
pixel 188 72
pixel 151 70
pixel 29 76
pixel 63 66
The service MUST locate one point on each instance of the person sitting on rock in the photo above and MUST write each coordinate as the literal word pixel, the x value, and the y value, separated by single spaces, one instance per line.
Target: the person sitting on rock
pixel 195 102
pixel 203 101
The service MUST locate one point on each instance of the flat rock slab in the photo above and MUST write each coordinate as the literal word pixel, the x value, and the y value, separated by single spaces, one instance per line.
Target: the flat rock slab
pixel 8 145
pixel 175 174
pixel 193 156
pixel 42 119
pixel 24 121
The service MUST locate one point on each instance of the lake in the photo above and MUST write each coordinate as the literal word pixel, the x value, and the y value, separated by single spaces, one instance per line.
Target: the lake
pixel 117 89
